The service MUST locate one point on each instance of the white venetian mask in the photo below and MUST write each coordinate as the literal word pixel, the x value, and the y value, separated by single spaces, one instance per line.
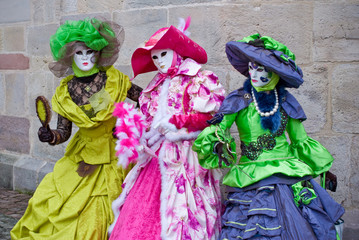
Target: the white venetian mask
pixel 259 76
pixel 84 59
pixel 162 58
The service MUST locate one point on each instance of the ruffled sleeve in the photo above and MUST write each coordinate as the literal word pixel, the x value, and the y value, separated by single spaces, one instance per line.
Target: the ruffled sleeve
pixel 203 97
pixel 206 140
pixel 206 93
pixel 307 149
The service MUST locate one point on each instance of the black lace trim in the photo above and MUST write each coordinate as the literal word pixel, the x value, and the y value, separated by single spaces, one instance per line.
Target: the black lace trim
pixel 266 141
pixel 81 89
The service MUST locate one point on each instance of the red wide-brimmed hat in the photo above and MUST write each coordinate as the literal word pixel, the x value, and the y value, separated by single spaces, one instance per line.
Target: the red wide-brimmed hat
pixel 171 38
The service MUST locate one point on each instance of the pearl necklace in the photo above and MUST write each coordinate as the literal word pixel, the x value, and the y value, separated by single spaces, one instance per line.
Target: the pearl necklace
pixel 266 114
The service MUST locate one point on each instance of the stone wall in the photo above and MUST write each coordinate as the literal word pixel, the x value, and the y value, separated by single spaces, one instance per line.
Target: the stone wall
pixel 324 35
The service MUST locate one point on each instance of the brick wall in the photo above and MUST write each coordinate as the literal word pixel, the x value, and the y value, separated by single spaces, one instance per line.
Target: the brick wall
pixel 322 33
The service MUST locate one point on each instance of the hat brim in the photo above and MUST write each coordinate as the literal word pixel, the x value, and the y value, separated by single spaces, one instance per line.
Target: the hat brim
pixel 240 54
pixel 174 39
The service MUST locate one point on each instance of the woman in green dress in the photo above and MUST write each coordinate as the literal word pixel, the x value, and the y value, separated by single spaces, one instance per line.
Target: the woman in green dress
pixel 74 201
pixel 271 192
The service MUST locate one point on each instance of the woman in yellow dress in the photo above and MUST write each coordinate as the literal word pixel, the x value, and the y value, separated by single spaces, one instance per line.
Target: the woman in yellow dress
pixel 74 201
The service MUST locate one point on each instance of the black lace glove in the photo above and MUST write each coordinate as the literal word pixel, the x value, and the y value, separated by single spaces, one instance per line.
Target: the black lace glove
pixel 113 133
pixel 45 134
pixel 222 153
pixel 331 182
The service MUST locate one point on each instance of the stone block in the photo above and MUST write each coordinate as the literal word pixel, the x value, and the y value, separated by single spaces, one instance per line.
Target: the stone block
pixel 339 147
pixel 154 3
pixel 351 224
pixel 14 134
pixel 40 84
pixel 313 96
pixel 45 11
pixel 15 94
pixel 15 61
pixel 77 17
pixel 7 162
pixel 2 94
pixel 336 50
pixel 14 39
pixel 49 167
pixel 38 39
pixel 105 6
pixel 68 6
pixel 350 233
pixel 15 11
pixel 212 26
pixel 41 63
pixel 1 39
pixel 345 101
pixel 354 176
pixel 336 31
pixel 139 26
pixel 26 173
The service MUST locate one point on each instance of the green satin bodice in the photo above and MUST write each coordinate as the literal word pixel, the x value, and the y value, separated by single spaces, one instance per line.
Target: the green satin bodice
pixel 298 157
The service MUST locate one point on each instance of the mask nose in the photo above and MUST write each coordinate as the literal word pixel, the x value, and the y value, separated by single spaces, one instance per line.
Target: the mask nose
pixel 160 60
pixel 85 56
pixel 254 73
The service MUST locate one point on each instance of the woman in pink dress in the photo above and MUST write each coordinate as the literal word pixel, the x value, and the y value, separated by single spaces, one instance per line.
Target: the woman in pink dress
pixel 168 195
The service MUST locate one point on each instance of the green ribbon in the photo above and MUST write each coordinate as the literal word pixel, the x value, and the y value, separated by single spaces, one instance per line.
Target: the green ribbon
pixel 301 195
pixel 271 44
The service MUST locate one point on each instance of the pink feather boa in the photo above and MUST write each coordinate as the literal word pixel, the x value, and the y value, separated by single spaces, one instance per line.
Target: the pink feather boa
pixel 130 127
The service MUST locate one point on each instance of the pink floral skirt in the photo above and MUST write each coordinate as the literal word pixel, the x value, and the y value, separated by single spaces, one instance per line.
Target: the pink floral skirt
pixel 140 214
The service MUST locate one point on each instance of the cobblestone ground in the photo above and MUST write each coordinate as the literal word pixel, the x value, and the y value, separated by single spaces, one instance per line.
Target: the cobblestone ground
pixel 12 207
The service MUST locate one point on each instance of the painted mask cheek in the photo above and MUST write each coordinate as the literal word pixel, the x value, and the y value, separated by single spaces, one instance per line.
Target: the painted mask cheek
pixel 78 59
pixel 264 79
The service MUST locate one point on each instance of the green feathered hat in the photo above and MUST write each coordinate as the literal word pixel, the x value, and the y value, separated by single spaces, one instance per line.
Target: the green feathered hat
pixel 105 37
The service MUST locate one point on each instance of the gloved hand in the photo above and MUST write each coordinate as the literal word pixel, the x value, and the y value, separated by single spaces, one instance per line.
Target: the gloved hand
pixel 331 181
pixel 85 169
pixel 220 150
pixel 45 134
pixel 164 126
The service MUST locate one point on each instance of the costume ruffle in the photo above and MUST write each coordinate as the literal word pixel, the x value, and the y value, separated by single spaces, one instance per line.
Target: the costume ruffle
pixel 206 94
pixel 269 211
